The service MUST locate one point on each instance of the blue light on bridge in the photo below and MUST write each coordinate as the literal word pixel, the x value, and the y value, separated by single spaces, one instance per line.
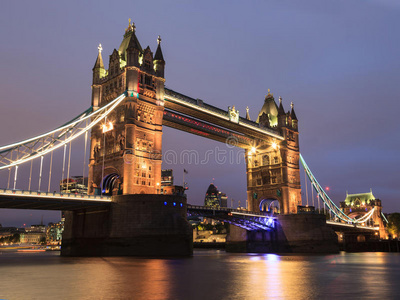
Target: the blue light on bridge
pixel 174 203
pixel 181 204
pixel 165 203
pixel 269 222
pixel 271 257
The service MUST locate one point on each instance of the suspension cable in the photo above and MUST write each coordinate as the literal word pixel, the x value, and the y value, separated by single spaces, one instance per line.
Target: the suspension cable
pixel 63 167
pixel 84 156
pixel 30 177
pixel 69 165
pixel 9 174
pixel 305 179
pixel 57 143
pixel 51 165
pixel 40 172
pixel 104 156
pixel 312 193
pixel 15 177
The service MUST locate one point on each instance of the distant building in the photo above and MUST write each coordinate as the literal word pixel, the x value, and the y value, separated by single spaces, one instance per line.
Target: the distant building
pixel 74 185
pixel 215 198
pixel 32 237
pixel 54 233
pixel 167 177
pixel 36 228
pixel 167 184
pixel 358 205
pixel 9 231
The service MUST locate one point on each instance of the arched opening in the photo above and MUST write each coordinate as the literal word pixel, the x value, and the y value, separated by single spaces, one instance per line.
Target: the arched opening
pixel 109 183
pixel 270 205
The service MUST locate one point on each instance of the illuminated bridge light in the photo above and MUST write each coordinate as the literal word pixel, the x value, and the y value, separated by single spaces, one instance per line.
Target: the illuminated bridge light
pixel 174 203
pixel 181 204
pixel 165 203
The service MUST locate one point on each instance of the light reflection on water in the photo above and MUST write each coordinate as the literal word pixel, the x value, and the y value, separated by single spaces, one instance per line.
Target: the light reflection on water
pixel 208 275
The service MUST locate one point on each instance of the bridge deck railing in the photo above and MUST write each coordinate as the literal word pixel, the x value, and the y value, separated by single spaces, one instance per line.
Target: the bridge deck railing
pixel 76 196
pixel 226 209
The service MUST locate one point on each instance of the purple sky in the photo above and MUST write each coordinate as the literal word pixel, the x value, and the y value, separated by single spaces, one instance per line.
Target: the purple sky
pixel 338 61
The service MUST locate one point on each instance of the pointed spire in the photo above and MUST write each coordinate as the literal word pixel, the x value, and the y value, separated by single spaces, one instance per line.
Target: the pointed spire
pixel 131 27
pixel 99 61
pixel 292 113
pixel 159 55
pixel 247 113
pixel 281 111
pixel 134 42
pixel 269 95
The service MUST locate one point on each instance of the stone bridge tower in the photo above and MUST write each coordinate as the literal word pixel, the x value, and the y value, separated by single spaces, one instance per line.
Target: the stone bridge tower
pixel 125 152
pixel 273 171
pixel 358 205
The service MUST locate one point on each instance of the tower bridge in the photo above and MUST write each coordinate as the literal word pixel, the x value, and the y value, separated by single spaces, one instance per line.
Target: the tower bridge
pixel 122 132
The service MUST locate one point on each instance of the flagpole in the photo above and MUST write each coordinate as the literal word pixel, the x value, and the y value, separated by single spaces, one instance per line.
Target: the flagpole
pixel 183 185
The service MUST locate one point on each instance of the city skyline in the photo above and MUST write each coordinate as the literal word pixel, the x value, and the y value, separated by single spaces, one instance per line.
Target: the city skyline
pixel 333 61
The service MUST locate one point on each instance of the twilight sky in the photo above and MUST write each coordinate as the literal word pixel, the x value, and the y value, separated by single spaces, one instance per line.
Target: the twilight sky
pixel 337 60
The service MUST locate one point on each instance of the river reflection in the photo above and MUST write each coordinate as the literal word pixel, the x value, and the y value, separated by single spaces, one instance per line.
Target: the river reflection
pixel 208 275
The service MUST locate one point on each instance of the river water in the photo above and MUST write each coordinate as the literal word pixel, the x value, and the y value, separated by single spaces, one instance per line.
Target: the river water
pixel 209 274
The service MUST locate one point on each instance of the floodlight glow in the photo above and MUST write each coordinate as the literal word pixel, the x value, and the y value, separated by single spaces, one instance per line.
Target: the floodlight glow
pixel 107 127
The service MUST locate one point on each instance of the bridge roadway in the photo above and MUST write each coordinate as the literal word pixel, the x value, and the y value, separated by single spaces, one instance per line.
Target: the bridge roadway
pixel 20 199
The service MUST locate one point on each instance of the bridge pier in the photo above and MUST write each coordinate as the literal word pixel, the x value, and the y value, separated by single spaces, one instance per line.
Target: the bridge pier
pixel 294 233
pixel 133 225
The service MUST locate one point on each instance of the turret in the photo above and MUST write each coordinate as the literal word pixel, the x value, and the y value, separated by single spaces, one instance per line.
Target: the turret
pixel 98 69
pixel 281 114
pixel 159 62
pixel 269 109
pixel 147 64
pixel 293 117
pixel 98 73
pixel 134 49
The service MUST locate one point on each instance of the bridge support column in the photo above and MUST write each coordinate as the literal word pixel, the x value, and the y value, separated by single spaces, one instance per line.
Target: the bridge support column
pixel 134 225
pixel 294 233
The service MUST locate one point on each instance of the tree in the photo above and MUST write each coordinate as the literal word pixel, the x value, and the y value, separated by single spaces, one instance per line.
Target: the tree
pixel 43 240
pixel 394 224
pixel 15 238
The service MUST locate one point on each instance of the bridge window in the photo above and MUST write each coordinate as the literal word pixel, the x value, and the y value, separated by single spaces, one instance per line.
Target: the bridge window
pixel 256 163
pixel 143 182
pixel 259 181
pixel 273 180
pixel 276 160
pixel 143 174
pixel 265 160
pixel 148 80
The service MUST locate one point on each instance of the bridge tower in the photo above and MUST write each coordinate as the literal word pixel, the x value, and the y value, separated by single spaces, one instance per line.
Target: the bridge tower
pixel 358 205
pixel 125 152
pixel 272 165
